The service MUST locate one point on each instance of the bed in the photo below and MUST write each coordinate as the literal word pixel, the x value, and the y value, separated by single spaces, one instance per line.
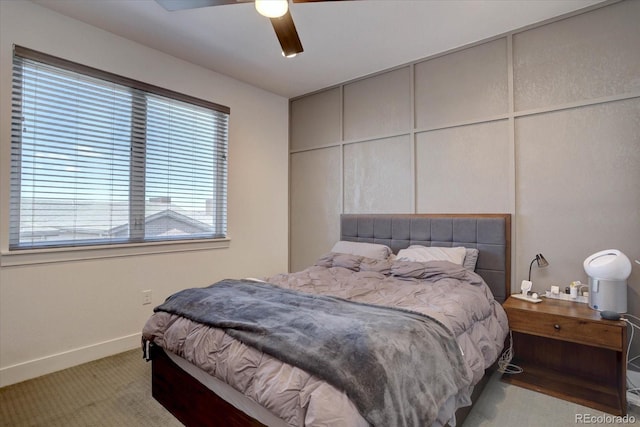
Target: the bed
pixel 236 385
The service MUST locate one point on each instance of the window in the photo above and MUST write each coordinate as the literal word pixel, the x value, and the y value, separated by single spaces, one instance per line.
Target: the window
pixel 100 159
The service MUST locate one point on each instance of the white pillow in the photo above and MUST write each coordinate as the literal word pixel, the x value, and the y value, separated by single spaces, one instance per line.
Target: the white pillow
pixel 418 253
pixel 369 250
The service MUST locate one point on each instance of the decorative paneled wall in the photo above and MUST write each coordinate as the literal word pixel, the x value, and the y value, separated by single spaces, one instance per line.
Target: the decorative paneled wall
pixel 377 176
pixel 316 121
pixel 584 58
pixel 378 105
pixel 463 169
pixel 315 191
pixel 468 85
pixel 543 123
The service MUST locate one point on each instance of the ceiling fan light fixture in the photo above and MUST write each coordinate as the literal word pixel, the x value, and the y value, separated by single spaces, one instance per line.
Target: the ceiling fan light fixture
pixel 272 8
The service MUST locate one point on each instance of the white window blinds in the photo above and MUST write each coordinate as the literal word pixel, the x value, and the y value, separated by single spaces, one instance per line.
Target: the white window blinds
pixel 99 159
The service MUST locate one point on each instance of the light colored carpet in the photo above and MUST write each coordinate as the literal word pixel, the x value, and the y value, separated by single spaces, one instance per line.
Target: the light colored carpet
pixel 502 404
pixel 116 391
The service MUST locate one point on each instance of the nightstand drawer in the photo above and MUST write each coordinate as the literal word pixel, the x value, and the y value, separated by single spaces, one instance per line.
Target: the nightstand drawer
pixel 596 333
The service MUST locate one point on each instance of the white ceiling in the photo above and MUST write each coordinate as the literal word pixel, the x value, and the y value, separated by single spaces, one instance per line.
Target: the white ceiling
pixel 342 40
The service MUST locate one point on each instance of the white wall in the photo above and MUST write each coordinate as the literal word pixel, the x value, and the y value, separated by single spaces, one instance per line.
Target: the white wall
pixel 58 314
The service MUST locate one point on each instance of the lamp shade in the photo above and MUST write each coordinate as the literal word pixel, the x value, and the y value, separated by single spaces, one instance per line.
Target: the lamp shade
pixel 610 264
pixel 542 262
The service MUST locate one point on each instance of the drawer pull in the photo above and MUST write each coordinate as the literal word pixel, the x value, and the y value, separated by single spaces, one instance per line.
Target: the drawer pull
pixel 556 327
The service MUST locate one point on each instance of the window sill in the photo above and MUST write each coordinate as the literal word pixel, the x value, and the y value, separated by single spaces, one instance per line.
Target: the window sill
pixel 56 255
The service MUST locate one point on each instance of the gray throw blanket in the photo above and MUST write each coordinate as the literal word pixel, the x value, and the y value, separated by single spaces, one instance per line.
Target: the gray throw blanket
pixel 398 367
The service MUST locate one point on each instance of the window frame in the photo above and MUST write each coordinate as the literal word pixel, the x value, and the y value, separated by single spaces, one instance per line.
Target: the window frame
pixel 71 250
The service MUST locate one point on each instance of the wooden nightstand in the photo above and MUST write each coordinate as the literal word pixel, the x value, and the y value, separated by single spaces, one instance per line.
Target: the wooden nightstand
pixel 567 351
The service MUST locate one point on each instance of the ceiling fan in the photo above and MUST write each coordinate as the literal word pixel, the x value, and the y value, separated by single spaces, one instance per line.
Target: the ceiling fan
pixel 276 10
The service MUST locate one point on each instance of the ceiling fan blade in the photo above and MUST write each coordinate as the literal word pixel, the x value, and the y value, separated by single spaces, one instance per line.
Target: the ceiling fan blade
pixel 287 35
pixel 173 5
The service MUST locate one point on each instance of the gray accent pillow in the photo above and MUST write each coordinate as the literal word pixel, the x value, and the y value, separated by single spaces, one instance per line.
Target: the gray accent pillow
pixel 470 259
pixel 368 250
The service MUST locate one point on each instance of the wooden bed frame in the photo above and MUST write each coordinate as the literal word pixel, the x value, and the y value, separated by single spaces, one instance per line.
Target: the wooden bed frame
pixel 196 405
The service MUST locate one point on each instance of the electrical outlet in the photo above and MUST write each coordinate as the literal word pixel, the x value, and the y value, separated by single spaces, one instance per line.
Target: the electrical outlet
pixel 146 297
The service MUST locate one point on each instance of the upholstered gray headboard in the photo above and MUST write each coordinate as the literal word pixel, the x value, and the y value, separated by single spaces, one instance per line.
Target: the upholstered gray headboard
pixel 490 233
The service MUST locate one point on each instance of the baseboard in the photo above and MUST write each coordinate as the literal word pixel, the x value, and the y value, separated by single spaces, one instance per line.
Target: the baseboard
pixel 56 362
